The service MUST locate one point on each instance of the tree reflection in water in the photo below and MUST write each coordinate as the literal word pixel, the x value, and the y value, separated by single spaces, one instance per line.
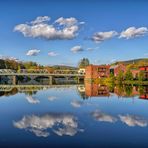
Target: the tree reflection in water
pixel 85 91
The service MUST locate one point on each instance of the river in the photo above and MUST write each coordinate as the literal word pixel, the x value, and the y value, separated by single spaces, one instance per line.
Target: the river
pixel 86 115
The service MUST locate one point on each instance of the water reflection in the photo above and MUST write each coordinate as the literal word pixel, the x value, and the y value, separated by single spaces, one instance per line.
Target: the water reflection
pixel 77 103
pixel 52 98
pixel 32 100
pixel 60 124
pixel 97 90
pixel 62 112
pixel 132 120
pixel 129 120
pixel 85 91
pixel 103 117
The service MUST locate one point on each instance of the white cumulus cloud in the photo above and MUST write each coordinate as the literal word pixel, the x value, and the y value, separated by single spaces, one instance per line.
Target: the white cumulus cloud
pixel 33 52
pixel 40 19
pixel 61 29
pixel 67 21
pixel 133 32
pixel 76 49
pixel 9 58
pixel 102 36
pixel 52 54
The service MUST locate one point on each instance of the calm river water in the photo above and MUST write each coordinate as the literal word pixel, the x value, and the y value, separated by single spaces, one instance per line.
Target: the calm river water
pixel 87 115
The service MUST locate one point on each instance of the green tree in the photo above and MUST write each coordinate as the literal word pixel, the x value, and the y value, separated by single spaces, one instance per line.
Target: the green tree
pixel 141 76
pixel 120 77
pixel 112 77
pixel 19 68
pixel 128 75
pixel 2 64
pixel 128 90
pixel 83 63
pixel 30 65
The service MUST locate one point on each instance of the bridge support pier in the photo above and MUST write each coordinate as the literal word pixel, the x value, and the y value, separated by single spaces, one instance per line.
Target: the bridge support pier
pixel 78 80
pixel 50 80
pixel 67 78
pixel 14 80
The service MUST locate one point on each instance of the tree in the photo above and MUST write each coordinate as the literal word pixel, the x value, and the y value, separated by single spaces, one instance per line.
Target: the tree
pixel 128 90
pixel 83 63
pixel 30 65
pixel 141 76
pixel 2 64
pixel 19 69
pixel 120 77
pixel 112 77
pixel 128 75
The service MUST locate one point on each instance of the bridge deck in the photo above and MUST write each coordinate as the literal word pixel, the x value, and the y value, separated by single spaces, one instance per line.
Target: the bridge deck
pixel 39 74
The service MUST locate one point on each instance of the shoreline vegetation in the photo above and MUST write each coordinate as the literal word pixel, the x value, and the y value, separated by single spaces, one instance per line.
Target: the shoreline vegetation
pixel 109 81
pixel 126 78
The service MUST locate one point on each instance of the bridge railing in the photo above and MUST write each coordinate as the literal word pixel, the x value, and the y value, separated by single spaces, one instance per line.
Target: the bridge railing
pixel 39 71
pixel 7 71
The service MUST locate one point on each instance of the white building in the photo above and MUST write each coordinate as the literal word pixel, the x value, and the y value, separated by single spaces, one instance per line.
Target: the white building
pixel 81 71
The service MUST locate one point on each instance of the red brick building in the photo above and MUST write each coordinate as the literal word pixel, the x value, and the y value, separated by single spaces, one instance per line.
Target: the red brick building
pixel 103 71
pixel 97 71
pixel 144 68
pixel 117 68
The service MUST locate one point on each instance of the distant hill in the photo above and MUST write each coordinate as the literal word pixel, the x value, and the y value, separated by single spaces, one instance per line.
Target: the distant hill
pixel 143 61
pixel 15 65
pixel 63 67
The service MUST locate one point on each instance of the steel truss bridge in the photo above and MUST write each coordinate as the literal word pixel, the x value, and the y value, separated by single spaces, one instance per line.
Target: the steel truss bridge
pixel 40 72
pixel 34 73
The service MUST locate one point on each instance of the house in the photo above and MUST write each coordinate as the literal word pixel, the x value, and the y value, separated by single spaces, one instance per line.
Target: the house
pixel 97 71
pixel 143 68
pixel 135 72
pixel 115 69
pixel 81 71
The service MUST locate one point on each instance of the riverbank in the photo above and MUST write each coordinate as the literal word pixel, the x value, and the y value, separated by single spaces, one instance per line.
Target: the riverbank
pixel 108 81
pixel 135 82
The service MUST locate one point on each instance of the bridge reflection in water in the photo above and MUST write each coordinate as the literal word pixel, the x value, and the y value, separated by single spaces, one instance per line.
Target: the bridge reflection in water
pixel 85 90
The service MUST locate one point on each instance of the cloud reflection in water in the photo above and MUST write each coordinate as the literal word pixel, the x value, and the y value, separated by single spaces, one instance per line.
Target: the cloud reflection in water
pixel 32 100
pixel 132 120
pixel 103 117
pixel 60 124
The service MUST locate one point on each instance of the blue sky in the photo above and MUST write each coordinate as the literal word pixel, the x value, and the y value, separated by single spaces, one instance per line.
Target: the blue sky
pixel 101 30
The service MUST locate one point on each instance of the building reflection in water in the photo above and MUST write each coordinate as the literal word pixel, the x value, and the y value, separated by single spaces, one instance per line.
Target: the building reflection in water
pixel 93 90
pixel 98 90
